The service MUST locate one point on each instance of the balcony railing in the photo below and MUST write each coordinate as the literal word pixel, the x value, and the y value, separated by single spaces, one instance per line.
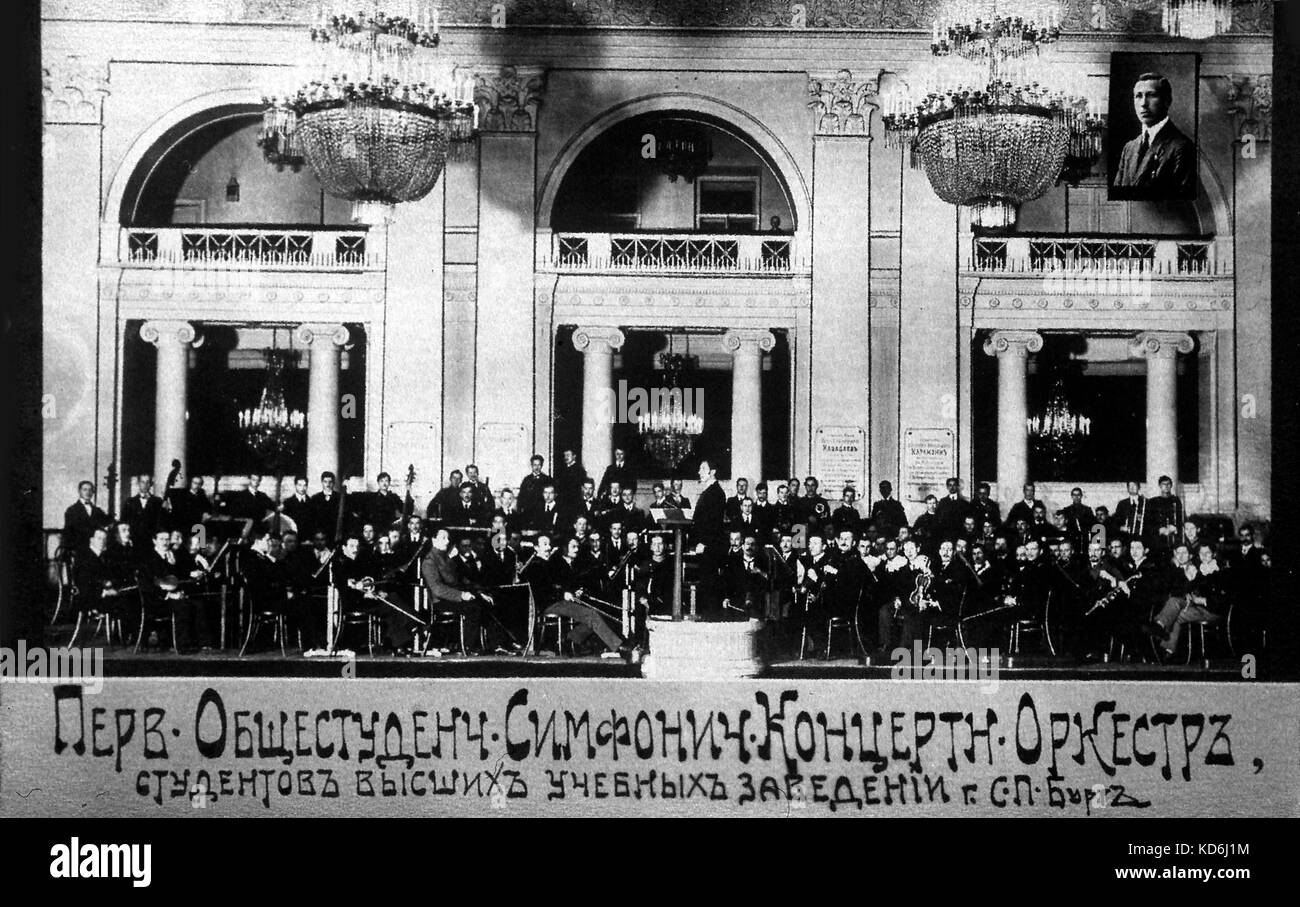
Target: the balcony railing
pixel 230 247
pixel 695 253
pixel 1047 254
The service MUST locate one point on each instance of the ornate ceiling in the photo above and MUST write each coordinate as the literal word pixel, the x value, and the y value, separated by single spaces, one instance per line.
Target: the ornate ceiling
pixel 1250 17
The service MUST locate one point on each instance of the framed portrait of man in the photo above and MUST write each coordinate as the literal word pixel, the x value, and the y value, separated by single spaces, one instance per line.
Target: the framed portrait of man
pixel 1151 143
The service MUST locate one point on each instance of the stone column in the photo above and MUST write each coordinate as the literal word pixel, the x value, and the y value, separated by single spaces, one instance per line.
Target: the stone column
pixel 324 341
pixel 173 339
pixel 1012 349
pixel 597 344
pixel 747 347
pixel 1161 349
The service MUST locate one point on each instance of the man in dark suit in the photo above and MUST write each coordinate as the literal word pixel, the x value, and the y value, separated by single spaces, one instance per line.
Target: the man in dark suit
pixel 846 515
pixel 298 508
pixel 1024 508
pixel 1165 517
pixel 143 510
pixel 94 578
pixel 545 515
pixel 1130 517
pixel 466 511
pixel 82 518
pixel 251 503
pixel 484 502
pixel 384 507
pixel 1160 162
pixel 986 510
pixel 675 496
pixel 1079 520
pixel 325 505
pixel 569 476
pixel 887 513
pixel 707 532
pixel 952 509
pixel 189 506
pixel 446 499
pixel 731 510
pixel 531 485
pixel 619 472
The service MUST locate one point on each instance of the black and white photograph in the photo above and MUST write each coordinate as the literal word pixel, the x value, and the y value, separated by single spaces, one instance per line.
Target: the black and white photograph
pixel 607 409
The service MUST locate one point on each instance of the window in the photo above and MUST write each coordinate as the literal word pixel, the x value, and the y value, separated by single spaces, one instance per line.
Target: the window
pixel 727 204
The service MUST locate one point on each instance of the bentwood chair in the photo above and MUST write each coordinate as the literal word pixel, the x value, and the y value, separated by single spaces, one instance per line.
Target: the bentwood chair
pixel 156 619
pixel 105 623
pixel 560 626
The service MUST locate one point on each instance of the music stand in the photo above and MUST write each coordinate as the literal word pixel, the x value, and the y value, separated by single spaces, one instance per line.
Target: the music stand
pixel 675 519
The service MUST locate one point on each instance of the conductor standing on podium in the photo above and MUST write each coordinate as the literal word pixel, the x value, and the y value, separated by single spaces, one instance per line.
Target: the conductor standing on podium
pixel 708 535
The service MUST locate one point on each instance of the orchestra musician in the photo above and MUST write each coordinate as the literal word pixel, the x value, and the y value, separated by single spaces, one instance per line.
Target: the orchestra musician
pixel 819 573
pixel 546 516
pixel 531 485
pixel 1165 517
pixel 675 496
pixel 654 578
pixel 143 510
pixel 449 591
pixel 298 508
pixel 189 506
pixel 1189 600
pixel 745 576
pixel 731 510
pixel 887 513
pixel 783 516
pixel 480 494
pixel 165 574
pixel 95 579
pixel 325 506
pixel 558 590
pixel 846 515
pixel 569 478
pixel 1024 508
pixel 987 512
pixel 617 472
pixel 1130 517
pixel 1079 519
pixel 903 598
pixel 383 506
pixel 81 519
pixel 953 509
pixel 446 499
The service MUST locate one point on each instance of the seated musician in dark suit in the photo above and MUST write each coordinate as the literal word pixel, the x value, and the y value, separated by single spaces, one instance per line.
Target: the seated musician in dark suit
pixel 500 571
pixel 353 576
pixel 981 628
pixel 948 587
pixel 95 579
pixel 448 590
pixel 81 519
pixel 508 510
pixel 1125 615
pixel 557 590
pixel 465 512
pixel 747 521
pixel 634 518
pixel 251 503
pixel 745 577
pixel 782 517
pixel 1190 599
pixel 446 498
pixel 164 573
pixel 899 620
pixel 480 494
pixel 266 582
pixel 655 577
pixel 124 554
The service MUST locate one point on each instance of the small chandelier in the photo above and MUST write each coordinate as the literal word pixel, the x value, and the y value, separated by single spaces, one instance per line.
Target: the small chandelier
pixel 373 115
pixel 1196 19
pixel 272 430
pixel 668 432
pixel 685 152
pixel 983 123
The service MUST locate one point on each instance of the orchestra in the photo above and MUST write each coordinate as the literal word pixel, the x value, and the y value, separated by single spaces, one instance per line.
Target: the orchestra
pixel 500 564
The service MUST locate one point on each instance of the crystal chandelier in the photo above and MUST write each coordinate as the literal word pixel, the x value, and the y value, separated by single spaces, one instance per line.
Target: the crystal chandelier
pixel 272 430
pixel 668 432
pixel 684 151
pixel 983 123
pixel 373 113
pixel 1196 19
pixel 1058 431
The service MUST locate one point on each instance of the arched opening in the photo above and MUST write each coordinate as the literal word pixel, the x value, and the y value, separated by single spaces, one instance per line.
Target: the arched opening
pixel 623 181
pixel 208 169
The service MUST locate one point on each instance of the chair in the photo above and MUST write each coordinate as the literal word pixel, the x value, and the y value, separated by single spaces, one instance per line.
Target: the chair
pixel 104 622
pixel 351 618
pixel 838 623
pixel 1034 625
pixel 261 616
pixel 953 627
pixel 447 619
pixel 559 624
pixel 147 619
pixel 63 569
pixel 1199 630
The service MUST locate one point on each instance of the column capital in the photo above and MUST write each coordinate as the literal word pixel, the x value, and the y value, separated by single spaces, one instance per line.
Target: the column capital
pixel 73 89
pixel 1160 344
pixel 322 334
pixel 740 338
pixel 180 332
pixel 1013 343
pixel 508 98
pixel 598 339
pixel 841 102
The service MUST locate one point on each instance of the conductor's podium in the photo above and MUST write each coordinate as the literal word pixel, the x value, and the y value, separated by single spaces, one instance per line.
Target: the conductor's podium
pixel 703 650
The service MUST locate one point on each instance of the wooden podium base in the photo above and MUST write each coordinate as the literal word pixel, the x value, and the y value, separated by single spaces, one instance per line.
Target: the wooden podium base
pixel 703 650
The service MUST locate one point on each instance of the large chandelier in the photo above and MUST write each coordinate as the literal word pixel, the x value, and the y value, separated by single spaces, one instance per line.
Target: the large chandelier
pixel 1196 19
pixel 1058 431
pixel 984 123
pixel 668 431
pixel 271 429
pixel 683 151
pixel 373 113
